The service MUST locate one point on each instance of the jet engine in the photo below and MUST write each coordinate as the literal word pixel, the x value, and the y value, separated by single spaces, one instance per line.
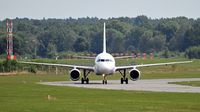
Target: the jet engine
pixel 134 74
pixel 75 74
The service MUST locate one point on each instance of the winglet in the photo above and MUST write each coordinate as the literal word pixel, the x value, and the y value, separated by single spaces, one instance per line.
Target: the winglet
pixel 104 38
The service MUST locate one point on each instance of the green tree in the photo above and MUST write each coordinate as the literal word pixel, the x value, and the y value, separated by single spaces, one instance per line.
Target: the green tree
pixel 133 38
pixel 2 45
pixel 192 36
pixel 115 41
pixel 51 50
pixel 122 27
pixel 141 34
pixel 139 20
pixel 81 45
pixel 96 43
pixel 193 52
pixel 168 28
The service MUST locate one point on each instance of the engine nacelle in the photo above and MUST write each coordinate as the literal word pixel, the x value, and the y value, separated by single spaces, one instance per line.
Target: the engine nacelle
pixel 134 74
pixel 75 74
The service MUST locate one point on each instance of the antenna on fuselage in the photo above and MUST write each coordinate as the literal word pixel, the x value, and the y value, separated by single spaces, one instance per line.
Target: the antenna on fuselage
pixel 104 38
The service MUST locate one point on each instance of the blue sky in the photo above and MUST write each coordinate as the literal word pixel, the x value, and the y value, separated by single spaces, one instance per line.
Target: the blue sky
pixel 38 9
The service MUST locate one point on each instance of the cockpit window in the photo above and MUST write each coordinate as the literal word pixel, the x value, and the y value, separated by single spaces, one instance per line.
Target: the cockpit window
pixel 104 60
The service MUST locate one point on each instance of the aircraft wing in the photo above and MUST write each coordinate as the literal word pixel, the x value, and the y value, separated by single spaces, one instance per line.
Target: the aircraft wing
pixel 148 65
pixel 88 57
pixel 60 65
pixel 122 57
pixel 83 57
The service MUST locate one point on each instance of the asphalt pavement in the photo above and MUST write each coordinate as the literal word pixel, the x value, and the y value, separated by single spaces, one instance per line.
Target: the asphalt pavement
pixel 155 85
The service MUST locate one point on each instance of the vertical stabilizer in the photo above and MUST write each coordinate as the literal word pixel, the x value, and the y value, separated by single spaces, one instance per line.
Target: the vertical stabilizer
pixel 104 38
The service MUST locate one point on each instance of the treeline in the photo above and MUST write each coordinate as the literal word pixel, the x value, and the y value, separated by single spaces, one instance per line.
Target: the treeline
pixel 51 37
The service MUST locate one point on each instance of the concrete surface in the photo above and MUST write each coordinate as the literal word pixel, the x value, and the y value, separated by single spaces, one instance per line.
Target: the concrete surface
pixel 156 85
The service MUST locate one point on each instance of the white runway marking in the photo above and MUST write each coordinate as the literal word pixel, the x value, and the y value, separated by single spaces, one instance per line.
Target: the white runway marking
pixel 156 85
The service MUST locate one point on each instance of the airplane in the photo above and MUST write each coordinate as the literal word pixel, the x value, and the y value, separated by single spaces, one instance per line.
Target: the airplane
pixel 104 66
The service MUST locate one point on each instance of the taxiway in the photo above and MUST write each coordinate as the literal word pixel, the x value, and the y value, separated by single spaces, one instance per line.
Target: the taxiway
pixel 156 85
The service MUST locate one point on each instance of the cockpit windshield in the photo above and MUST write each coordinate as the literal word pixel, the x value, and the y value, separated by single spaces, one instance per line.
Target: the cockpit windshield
pixel 104 60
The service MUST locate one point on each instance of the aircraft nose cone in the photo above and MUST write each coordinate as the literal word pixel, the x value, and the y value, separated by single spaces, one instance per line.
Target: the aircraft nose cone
pixel 106 69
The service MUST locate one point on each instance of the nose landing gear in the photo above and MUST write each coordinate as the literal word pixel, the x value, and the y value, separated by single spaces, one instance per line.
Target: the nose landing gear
pixel 104 79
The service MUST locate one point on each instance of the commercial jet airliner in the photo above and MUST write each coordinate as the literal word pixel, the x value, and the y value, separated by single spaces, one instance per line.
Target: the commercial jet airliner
pixel 104 66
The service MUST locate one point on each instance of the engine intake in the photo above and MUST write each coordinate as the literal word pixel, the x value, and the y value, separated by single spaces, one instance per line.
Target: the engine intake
pixel 75 74
pixel 134 74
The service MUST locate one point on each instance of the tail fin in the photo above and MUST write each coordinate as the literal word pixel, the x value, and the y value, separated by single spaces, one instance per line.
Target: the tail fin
pixel 104 38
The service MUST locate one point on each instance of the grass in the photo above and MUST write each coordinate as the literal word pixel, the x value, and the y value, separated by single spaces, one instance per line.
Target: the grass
pixel 21 93
pixel 189 83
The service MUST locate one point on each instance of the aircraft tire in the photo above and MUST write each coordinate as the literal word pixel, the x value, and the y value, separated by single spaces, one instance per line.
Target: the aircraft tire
pixel 126 80
pixel 105 81
pixel 122 80
pixel 82 81
pixel 87 81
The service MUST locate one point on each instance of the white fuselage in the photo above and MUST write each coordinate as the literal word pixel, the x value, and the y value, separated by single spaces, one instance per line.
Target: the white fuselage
pixel 104 64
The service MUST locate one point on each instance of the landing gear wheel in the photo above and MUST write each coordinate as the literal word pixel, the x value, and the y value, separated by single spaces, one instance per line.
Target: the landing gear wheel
pixel 122 80
pixel 104 81
pixel 126 80
pixel 82 81
pixel 85 78
pixel 87 81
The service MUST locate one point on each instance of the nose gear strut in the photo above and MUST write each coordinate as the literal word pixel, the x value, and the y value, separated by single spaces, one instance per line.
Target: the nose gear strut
pixel 104 79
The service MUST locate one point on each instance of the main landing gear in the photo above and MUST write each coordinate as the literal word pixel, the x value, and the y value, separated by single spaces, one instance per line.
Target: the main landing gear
pixel 124 78
pixel 85 78
pixel 104 79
